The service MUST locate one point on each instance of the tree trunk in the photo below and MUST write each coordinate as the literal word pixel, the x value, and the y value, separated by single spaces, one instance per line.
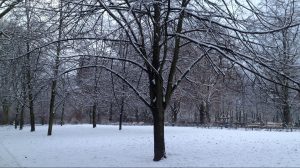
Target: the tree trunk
pixel 55 73
pixel 28 71
pixel 110 112
pixel 156 89
pixel 17 117
pixel 286 108
pixel 62 114
pixel 31 112
pixel 22 117
pixel 159 137
pixel 175 110
pixel 286 115
pixel 51 112
pixel 121 114
pixel 207 114
pixel 24 102
pixel 5 107
pixel 94 114
pixel 158 112
pixel 174 118
pixel 137 118
pixel 43 120
pixel 43 115
pixel 201 113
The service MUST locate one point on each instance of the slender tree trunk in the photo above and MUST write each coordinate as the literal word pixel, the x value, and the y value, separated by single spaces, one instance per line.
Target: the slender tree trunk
pixel 175 110
pixel 17 117
pixel 55 73
pixel 94 115
pixel 207 114
pixel 28 72
pixel 51 113
pixel 94 110
pixel 22 112
pixel 5 108
pixel 110 112
pixel 121 114
pixel 31 105
pixel 137 118
pixel 43 114
pixel 23 93
pixel 62 114
pixel 22 117
pixel 32 118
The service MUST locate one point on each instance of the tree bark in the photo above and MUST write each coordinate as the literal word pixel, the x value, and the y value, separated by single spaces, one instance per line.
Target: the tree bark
pixel 159 134
pixel 51 113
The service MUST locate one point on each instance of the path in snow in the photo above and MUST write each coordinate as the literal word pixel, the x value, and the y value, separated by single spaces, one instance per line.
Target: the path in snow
pixel 83 146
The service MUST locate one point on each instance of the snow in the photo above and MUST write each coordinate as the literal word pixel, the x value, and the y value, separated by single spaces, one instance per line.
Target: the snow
pixel 153 81
pixel 106 146
pixel 154 100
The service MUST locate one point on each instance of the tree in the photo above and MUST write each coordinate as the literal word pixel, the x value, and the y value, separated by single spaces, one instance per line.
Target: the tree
pixel 283 52
pixel 7 5
pixel 215 28
pixel 55 69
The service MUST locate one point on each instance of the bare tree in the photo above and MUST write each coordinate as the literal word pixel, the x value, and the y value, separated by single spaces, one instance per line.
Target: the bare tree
pixel 7 5
pixel 56 69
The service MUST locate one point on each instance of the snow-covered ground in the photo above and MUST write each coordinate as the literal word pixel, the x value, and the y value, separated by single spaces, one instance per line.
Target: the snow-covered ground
pixel 105 146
